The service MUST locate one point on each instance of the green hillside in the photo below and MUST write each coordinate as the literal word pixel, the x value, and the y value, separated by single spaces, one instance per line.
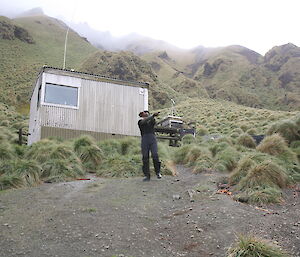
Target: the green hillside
pixel 234 73
pixel 216 116
pixel 21 59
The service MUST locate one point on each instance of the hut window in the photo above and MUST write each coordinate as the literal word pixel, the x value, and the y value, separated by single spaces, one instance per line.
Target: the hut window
pixel 62 95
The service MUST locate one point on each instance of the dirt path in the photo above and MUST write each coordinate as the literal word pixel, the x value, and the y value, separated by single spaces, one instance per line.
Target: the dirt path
pixel 128 217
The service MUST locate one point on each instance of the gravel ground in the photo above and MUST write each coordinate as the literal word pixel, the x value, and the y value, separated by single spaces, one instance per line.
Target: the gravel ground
pixel 131 218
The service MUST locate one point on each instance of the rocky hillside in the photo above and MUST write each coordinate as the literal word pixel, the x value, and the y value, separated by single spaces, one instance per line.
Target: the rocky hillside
pixel 28 43
pixel 10 31
pixel 284 61
pixel 232 73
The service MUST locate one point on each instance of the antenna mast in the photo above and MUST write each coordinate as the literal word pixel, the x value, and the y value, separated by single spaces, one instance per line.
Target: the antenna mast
pixel 67 33
pixel 65 52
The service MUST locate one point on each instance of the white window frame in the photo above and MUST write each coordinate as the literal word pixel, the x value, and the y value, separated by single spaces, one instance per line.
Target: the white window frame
pixel 42 102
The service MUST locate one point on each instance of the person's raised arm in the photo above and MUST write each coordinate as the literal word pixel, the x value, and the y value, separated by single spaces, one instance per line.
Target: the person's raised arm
pixel 149 119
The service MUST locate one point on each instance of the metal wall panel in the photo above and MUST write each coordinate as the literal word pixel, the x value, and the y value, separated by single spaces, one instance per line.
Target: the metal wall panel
pixel 47 132
pixel 34 124
pixel 103 107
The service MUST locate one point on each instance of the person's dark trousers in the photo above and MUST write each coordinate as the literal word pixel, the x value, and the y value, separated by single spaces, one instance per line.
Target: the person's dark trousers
pixel 149 144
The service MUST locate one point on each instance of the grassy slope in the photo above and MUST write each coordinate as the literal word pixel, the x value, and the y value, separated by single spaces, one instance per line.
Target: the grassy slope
pixel 233 73
pixel 219 116
pixel 22 61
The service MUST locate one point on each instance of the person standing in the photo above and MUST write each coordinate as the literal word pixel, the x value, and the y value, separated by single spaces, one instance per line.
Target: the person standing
pixel 149 143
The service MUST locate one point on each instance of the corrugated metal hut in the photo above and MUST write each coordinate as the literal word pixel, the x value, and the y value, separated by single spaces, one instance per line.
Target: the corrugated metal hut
pixel 66 104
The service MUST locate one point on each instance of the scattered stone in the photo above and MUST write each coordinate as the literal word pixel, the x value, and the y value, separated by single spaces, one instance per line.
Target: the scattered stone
pixel 191 193
pixel 176 197
pixel 222 186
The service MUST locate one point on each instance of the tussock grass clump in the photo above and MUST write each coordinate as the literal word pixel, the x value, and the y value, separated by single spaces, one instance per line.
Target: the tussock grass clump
pixel 276 145
pixel 129 145
pixel 30 171
pixel 110 146
pixel 252 131
pixel 250 246
pixel 242 169
pixel 82 141
pixel 120 166
pixel 201 131
pixel 205 163
pixel 5 134
pixel 196 152
pixel 265 195
pixel 164 151
pixel 46 149
pixel 296 150
pixel 58 160
pixel 62 151
pixel 4 123
pixel 265 174
pixel 287 129
pixel 237 130
pixel 246 140
pixel 6 151
pixel 90 156
pixel 218 147
pixel 10 181
pixel 20 150
pixel 228 159
pixel 56 170
pixel 197 156
pixel 244 127
pixel 234 135
pixel 273 145
pixel 181 153
pixel 88 152
pixel 226 139
pixel 20 172
pixel 295 144
pixel 260 177
pixel 41 150
pixel 188 139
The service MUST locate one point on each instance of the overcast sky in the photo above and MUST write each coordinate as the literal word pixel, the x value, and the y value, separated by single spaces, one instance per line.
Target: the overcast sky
pixel 256 24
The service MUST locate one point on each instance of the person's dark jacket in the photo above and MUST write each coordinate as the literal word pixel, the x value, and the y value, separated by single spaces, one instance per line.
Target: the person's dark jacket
pixel 147 125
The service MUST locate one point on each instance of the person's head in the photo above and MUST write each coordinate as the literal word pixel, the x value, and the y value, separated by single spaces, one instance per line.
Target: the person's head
pixel 144 114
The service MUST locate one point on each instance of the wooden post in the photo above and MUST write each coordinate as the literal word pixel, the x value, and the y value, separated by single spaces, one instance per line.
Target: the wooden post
pixel 20 136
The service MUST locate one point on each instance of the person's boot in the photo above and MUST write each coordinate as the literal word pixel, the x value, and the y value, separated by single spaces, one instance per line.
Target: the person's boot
pixel 146 170
pixel 157 165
